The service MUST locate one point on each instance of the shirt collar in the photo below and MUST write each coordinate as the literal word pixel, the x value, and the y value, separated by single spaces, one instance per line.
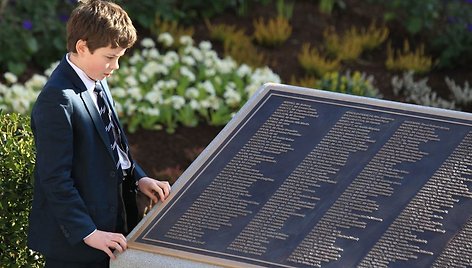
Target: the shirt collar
pixel 89 83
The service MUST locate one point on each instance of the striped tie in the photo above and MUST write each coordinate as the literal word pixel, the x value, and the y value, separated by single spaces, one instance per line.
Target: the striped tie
pixel 110 127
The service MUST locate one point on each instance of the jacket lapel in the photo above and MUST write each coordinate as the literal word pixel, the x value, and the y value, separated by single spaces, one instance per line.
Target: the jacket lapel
pixel 89 105
pixel 97 120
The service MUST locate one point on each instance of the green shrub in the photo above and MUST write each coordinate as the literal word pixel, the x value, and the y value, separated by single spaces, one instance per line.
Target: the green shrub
pixel 188 86
pixel 447 26
pixel 16 190
pixel 32 33
pixel 272 33
pixel 355 84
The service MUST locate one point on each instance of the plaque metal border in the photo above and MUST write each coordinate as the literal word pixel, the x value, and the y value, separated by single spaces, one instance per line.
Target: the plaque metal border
pixel 208 153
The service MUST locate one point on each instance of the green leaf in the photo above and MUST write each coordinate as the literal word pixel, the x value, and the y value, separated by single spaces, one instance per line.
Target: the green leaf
pixel 32 44
pixel 414 25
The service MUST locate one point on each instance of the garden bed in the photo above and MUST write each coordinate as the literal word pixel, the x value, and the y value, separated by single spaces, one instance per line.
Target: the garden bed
pixel 161 153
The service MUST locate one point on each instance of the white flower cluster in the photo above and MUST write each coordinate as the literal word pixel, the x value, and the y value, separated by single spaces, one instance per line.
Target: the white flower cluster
pixel 183 86
pixel 419 92
pixel 163 89
pixel 16 97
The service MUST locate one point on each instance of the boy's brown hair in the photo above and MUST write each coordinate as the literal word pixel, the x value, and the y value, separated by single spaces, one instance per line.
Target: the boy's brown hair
pixel 100 24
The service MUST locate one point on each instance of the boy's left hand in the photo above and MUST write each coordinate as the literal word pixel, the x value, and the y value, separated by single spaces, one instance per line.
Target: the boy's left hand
pixel 151 186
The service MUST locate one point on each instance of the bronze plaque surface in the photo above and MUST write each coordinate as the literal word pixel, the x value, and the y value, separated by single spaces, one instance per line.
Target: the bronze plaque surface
pixel 307 178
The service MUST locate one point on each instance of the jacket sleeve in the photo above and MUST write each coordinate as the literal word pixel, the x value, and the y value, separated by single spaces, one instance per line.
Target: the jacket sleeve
pixel 53 127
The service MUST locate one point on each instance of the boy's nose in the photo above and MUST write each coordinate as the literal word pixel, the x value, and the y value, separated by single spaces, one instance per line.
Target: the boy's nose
pixel 115 65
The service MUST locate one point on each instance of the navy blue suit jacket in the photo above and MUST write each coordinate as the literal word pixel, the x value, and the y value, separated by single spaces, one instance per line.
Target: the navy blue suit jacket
pixel 76 180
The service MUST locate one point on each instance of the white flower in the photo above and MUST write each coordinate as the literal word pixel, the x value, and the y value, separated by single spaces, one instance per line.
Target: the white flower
pixel 192 93
pixel 166 39
pixel 243 70
pixel 187 73
pixel 143 77
pixel 10 77
pixel 208 86
pixel 205 45
pixel 194 52
pixel 118 92
pixel 135 59
pixel 135 93
pixel 131 81
pixel 151 68
pixel 154 53
pixel 152 111
pixel 194 105
pixel 51 68
pixel 209 72
pixel 186 40
pixel 170 84
pixel 118 108
pixel 208 63
pixel 170 58
pixel 251 89
pixel 148 43
pixel 188 60
pixel 154 96
pixel 214 102
pixel 177 102
pixel 225 66
pixel 232 97
pixel 36 82
pixel 205 103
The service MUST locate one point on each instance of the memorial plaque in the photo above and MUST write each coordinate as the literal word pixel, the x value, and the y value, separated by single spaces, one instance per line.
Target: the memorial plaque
pixel 308 178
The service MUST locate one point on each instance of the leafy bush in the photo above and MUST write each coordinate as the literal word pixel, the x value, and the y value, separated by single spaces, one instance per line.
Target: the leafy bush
pixel 273 33
pixel 407 60
pixel 461 95
pixel 418 92
pixel 351 44
pixel 153 90
pixel 373 36
pixel 355 84
pixel 16 190
pixel 285 9
pixel 327 6
pixel 187 86
pixel 314 63
pixel 446 24
pixel 32 33
pixel 16 97
pixel 171 27
pixel 348 46
pixel 236 44
pixel 144 11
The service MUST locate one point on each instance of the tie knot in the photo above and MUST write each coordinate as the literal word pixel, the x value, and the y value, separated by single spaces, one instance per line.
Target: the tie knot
pixel 98 87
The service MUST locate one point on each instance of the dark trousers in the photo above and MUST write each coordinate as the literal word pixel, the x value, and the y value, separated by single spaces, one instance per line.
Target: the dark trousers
pixel 52 263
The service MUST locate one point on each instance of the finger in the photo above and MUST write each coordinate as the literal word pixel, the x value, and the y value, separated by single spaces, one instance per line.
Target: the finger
pixel 109 253
pixel 118 247
pixel 160 192
pixel 166 188
pixel 122 241
pixel 150 194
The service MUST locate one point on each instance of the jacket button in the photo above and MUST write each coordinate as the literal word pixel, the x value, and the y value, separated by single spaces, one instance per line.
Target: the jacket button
pixel 112 174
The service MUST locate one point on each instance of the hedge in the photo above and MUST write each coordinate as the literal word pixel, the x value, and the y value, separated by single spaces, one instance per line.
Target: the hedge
pixel 16 190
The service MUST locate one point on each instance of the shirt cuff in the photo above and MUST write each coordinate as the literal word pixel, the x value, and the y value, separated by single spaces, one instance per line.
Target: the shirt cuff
pixel 90 234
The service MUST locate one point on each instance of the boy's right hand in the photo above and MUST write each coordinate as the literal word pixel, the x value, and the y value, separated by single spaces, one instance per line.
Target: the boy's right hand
pixel 105 241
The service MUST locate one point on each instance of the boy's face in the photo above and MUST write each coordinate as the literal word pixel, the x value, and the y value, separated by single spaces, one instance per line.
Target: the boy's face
pixel 101 63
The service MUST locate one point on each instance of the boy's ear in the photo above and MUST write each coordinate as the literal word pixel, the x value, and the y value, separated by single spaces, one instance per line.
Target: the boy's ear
pixel 81 46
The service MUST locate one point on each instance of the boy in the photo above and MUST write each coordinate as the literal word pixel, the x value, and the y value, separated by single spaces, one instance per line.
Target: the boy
pixel 85 178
